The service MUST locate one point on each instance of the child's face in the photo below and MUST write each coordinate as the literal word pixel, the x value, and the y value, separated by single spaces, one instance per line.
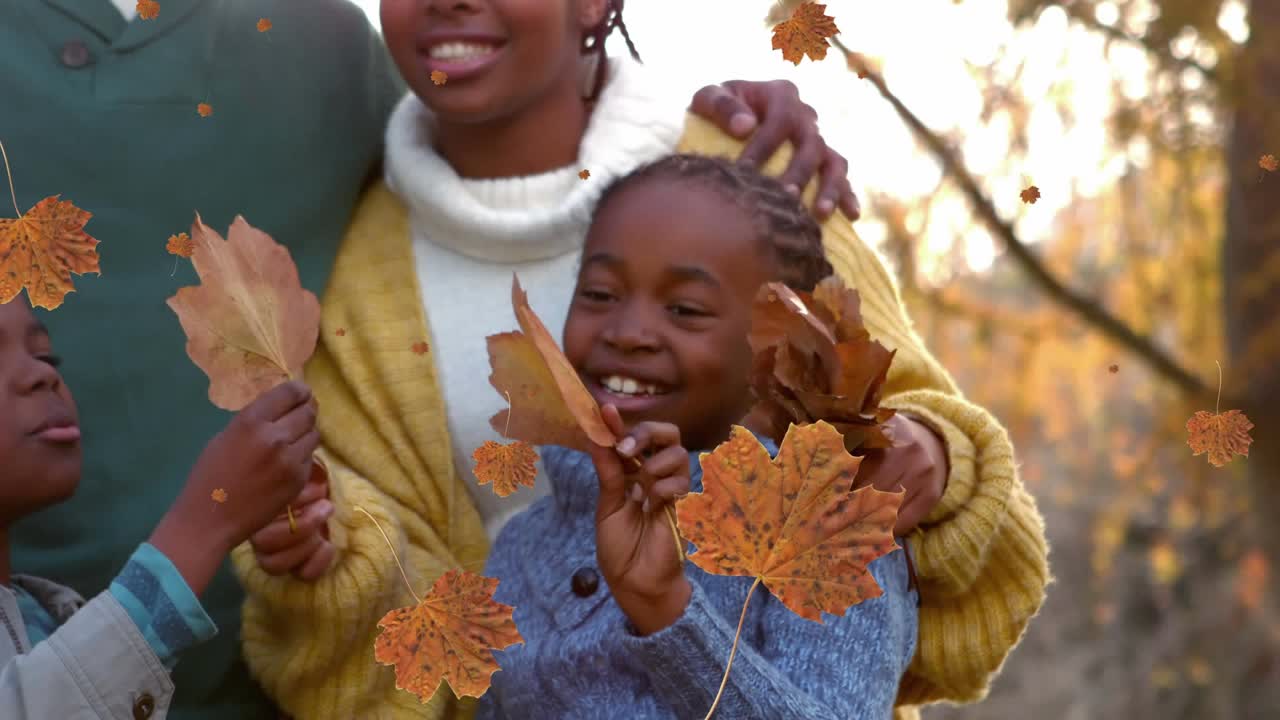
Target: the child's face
pixel 500 56
pixel 664 296
pixel 39 428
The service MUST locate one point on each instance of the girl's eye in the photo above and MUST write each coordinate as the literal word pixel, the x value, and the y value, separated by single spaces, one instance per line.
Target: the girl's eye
pixel 686 311
pixel 596 295
pixel 53 360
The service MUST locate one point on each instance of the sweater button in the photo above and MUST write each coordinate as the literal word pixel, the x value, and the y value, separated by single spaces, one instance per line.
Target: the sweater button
pixel 75 54
pixel 585 582
pixel 144 706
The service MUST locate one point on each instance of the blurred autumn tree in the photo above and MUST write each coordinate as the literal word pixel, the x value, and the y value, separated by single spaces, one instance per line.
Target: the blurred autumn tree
pixel 1098 343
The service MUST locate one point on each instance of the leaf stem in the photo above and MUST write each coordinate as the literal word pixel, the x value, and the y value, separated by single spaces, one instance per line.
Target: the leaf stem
pixel 733 651
pixel 393 552
pixel 9 173
pixel 1219 400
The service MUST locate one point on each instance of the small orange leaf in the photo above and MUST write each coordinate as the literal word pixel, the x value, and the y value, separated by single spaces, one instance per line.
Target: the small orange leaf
pixel 1030 195
pixel 148 9
pixel 264 25
pixel 219 495
pixel 1251 584
pixel 1219 434
pixel 447 636
pixel 1113 369
pixel 804 33
pixel 1268 163
pixel 584 174
pixel 420 348
pixel 508 466
pixel 41 249
pixel 180 245
pixel 205 109
pixel 439 77
pixel 340 332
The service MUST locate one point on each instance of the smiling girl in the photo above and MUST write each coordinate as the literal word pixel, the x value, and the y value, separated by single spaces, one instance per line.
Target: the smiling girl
pixel 511 101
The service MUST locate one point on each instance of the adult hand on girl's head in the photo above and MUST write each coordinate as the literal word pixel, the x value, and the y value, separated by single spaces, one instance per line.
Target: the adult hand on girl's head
pixel 917 462
pixel 307 553
pixel 635 546
pixel 775 113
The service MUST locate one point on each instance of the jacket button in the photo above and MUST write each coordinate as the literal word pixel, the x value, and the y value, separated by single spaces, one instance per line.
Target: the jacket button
pixel 75 54
pixel 585 582
pixel 144 706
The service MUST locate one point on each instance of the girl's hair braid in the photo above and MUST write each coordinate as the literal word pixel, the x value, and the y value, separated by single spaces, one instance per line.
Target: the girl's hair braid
pixel 593 42
pixel 782 222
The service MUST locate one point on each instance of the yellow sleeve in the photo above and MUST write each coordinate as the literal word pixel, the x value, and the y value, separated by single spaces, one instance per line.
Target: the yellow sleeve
pixel 981 555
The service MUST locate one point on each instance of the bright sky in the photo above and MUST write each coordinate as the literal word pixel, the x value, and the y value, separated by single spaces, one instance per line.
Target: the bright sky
pixel 927 48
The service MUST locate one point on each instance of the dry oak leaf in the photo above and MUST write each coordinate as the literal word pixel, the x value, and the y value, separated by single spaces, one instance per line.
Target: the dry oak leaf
pixel 250 325
pixel 447 636
pixel 507 467
pixel 420 348
pixel 805 33
pixel 791 521
pixel 1219 434
pixel 530 370
pixel 1268 163
pixel 1030 195
pixel 584 174
pixel 205 109
pixel 263 25
pixel 180 245
pixel 219 495
pixel 148 9
pixel 439 77
pixel 813 359
pixel 41 249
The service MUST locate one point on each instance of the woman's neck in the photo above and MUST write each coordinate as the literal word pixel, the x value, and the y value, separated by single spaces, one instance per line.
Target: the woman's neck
pixel 542 137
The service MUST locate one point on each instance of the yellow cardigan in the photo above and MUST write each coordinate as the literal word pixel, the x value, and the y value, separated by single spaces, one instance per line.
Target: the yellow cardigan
pixel 981 556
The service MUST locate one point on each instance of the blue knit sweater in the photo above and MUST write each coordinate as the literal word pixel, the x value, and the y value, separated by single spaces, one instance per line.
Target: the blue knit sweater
pixel 580 659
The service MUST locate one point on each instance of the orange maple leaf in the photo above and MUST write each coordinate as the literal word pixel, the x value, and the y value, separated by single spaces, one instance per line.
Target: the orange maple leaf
pixel 263 25
pixel 219 495
pixel 805 33
pixel 506 466
pixel 1113 369
pixel 250 325
pixel 1030 195
pixel 148 9
pixel 205 109
pixel 584 174
pixel 556 407
pixel 180 245
pixel 41 249
pixel 420 348
pixel 1268 163
pixel 439 77
pixel 1251 583
pixel 448 636
pixel 340 332
pixel 1219 434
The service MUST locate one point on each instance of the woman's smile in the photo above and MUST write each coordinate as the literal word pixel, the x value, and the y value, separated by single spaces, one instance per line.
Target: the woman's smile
pixel 461 56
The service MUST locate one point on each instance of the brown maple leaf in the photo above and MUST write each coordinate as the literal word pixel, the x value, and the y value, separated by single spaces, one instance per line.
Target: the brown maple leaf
pixel 263 25
pixel 420 348
pixel 439 77
pixel 250 325
pixel 219 495
pixel 556 408
pixel 180 245
pixel 1221 435
pixel 1113 369
pixel 340 332
pixel 205 109
pixel 1030 195
pixel 805 33
pixel 449 636
pixel 813 359
pixel 41 249
pixel 1268 163
pixel 148 9
pixel 584 174
pixel 507 467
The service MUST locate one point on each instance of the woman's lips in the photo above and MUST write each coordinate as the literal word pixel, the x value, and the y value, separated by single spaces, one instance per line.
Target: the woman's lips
pixel 59 433
pixel 462 68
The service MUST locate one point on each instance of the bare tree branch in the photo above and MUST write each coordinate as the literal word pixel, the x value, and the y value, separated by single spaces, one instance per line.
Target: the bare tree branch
pixel 1093 313
pixel 1087 19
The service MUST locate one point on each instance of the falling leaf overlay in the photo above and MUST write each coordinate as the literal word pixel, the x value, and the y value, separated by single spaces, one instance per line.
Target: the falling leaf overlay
pixel 508 467
pixel 205 109
pixel 791 521
pixel 148 9
pixel 263 25
pixel 340 332
pixel 805 33
pixel 447 636
pixel 420 348
pixel 814 360
pixel 249 324
pixel 1113 369
pixel 439 77
pixel 584 174
pixel 1030 195
pixel 219 495
pixel 180 245
pixel 41 249
pixel 529 368
pixel 1268 163
pixel 1219 434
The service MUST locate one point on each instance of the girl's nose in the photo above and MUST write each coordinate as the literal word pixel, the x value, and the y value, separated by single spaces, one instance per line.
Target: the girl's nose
pixel 631 331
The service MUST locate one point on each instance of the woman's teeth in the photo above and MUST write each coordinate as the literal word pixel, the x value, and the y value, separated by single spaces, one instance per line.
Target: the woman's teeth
pixel 460 51
pixel 628 386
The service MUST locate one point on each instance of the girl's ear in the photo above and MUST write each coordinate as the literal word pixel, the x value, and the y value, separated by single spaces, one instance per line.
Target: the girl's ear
pixel 591 13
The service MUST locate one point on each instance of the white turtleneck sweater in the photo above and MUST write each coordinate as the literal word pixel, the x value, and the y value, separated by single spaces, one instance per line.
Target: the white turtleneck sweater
pixel 469 236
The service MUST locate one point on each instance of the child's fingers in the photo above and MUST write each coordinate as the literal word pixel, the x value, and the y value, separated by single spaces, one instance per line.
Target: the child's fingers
pixel 300 451
pixel 668 489
pixel 648 435
pixel 278 401
pixel 316 488
pixel 613 486
pixel 297 422
pixel 285 561
pixel 670 460
pixel 318 564
pixel 277 536
pixel 613 419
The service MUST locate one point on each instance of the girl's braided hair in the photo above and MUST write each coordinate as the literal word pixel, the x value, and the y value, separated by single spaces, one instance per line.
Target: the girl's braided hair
pixel 783 224
pixel 593 42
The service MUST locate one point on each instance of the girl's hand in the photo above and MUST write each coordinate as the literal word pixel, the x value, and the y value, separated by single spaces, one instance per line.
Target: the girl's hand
pixel 634 544
pixel 917 463
pixel 307 553
pixel 772 113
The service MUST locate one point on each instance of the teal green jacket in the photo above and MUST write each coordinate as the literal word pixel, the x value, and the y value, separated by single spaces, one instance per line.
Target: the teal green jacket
pixel 103 113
